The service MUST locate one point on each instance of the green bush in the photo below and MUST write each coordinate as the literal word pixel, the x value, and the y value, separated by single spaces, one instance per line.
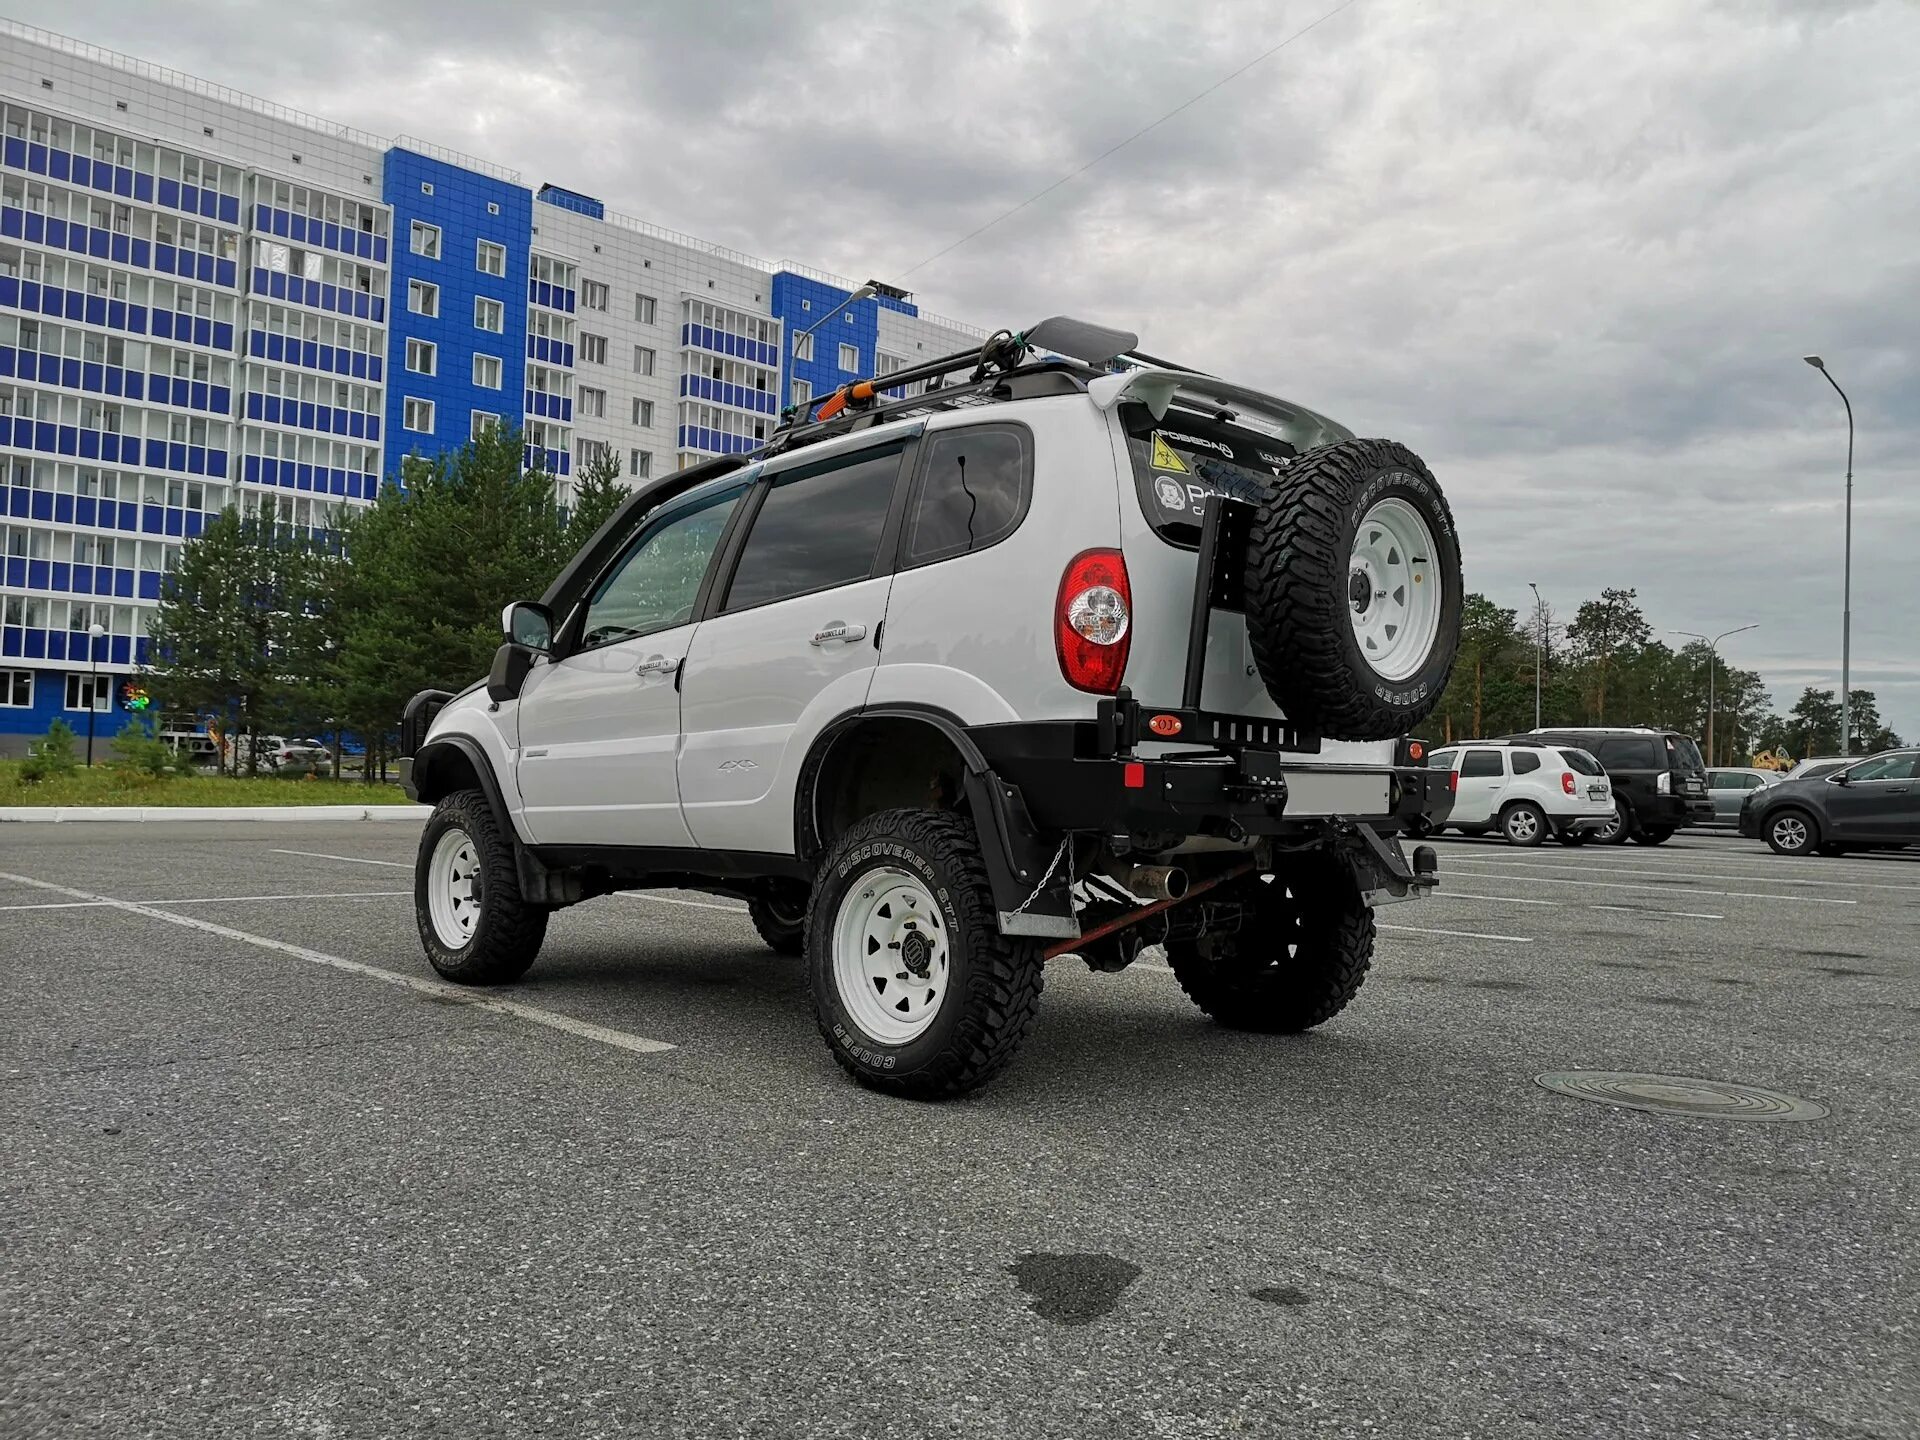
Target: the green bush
pixel 54 755
pixel 137 750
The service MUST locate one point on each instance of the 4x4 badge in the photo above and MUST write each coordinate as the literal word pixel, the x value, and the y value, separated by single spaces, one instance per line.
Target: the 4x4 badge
pixel 738 765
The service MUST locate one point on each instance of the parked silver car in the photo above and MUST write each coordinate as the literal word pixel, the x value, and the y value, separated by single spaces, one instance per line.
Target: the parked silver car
pixel 1728 789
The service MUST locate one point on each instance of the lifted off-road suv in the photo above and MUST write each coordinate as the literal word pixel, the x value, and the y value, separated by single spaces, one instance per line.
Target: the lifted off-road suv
pixel 1044 649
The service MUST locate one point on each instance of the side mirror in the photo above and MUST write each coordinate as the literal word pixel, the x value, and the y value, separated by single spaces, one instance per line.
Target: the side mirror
pixel 1842 779
pixel 526 623
pixel 511 663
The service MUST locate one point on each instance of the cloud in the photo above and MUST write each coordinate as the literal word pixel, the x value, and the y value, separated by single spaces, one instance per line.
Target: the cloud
pixel 1570 253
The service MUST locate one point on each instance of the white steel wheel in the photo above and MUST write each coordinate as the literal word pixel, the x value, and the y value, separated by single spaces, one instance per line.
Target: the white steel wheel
pixel 1393 594
pixel 890 956
pixel 454 888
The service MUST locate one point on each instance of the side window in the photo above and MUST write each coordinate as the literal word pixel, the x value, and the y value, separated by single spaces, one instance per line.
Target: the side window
pixel 819 526
pixel 1887 767
pixel 654 585
pixel 973 491
pixel 1623 753
pixel 1479 764
pixel 1525 762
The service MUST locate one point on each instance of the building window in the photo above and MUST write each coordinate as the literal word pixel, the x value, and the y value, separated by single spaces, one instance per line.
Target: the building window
pixel 489 315
pixel 422 298
pixel 89 692
pixel 486 371
pixel 802 392
pixel 16 686
pixel 850 357
pixel 643 414
pixel 593 295
pixel 885 364
pixel 588 453
pixel 593 348
pixel 417 415
pixel 491 258
pixel 593 403
pixel 641 468
pixel 645 309
pixel 482 422
pixel 423 357
pixel 643 360
pixel 493 207
pixel 803 347
pixel 424 239
pixel 426 186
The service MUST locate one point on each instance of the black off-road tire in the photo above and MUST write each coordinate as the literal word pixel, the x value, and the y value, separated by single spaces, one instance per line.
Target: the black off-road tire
pixel 1303 949
pixel 1653 835
pixel 507 935
pixel 1299 553
pixel 1514 828
pixel 783 926
pixel 993 982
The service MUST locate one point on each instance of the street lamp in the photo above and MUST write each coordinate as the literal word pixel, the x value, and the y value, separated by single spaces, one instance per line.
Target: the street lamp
pixel 1846 594
pixel 865 292
pixel 1713 661
pixel 1539 626
pixel 95 632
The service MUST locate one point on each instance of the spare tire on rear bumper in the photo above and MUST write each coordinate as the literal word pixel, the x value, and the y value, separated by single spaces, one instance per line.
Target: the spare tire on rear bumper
pixel 1353 591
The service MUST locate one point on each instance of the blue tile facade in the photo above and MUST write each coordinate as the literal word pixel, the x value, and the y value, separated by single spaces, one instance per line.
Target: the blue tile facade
pixel 801 301
pixel 458 205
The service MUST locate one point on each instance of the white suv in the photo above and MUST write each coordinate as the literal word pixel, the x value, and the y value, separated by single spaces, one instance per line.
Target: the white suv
pixel 1526 791
pixel 1063 653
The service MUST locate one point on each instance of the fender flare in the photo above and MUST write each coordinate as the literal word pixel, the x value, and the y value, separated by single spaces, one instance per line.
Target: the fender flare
pixel 538 884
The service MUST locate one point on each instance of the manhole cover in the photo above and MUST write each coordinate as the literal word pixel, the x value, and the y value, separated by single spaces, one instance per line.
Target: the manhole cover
pixel 1681 1095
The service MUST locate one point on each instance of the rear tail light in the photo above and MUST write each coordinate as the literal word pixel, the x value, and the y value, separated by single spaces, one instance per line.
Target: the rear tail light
pixel 1566 781
pixel 1663 783
pixel 1092 621
pixel 1453 782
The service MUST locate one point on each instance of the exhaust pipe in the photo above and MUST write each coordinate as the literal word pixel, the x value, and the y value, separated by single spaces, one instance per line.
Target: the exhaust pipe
pixel 1158 882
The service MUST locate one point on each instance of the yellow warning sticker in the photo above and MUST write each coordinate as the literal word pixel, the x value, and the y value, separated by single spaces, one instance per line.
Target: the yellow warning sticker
pixel 1164 458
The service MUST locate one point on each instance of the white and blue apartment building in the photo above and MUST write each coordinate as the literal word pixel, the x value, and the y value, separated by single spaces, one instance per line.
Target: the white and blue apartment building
pixel 207 299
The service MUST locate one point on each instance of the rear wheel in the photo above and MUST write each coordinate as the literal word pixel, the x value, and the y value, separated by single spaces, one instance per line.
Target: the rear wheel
pixel 914 988
pixel 1353 590
pixel 1523 823
pixel 474 925
pixel 1616 830
pixel 1302 951
pixel 1653 835
pixel 1792 832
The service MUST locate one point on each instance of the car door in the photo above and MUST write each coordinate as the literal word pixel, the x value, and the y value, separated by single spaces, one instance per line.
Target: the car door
pixel 1483 776
pixel 1728 790
pixel 789 643
pixel 1877 803
pixel 599 726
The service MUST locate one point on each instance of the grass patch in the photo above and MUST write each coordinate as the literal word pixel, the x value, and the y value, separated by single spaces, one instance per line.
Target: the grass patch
pixel 113 785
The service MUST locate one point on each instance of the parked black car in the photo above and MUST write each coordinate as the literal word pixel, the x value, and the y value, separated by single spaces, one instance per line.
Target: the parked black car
pixel 1872 804
pixel 1659 779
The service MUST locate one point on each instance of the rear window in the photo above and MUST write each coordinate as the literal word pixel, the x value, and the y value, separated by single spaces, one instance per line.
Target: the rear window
pixel 1581 763
pixel 1179 461
pixel 1684 754
pixel 1631 753
pixel 1440 760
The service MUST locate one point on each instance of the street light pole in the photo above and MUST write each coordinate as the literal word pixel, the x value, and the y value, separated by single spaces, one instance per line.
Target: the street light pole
pixel 865 292
pixel 1539 625
pixel 94 632
pixel 1713 664
pixel 1846 594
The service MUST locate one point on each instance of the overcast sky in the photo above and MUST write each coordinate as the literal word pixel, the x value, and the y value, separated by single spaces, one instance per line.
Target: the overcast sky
pixel 1570 253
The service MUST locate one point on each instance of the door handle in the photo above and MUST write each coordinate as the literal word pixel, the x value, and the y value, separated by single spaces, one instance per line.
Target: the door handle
pixel 838 630
pixel 658 665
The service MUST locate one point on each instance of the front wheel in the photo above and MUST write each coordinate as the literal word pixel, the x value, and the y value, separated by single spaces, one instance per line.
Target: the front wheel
pixel 915 989
pixel 1303 949
pixel 1653 835
pixel 474 925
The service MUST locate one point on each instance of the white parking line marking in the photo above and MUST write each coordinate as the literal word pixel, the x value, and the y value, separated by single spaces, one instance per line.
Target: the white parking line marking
pixel 1636 910
pixel 349 859
pixel 1459 934
pixel 210 900
pixel 670 900
pixel 439 990
pixel 1668 889
pixel 58 905
pixel 1614 869
pixel 1502 899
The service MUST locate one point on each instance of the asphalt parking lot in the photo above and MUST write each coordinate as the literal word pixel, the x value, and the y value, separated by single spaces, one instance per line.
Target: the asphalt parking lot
pixel 251 1188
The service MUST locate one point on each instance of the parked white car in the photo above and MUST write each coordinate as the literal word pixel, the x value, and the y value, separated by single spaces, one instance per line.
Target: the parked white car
pixel 1526 792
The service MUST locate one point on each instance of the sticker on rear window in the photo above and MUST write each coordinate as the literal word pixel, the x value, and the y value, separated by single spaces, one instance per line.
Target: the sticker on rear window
pixel 1165 459
pixel 1170 493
